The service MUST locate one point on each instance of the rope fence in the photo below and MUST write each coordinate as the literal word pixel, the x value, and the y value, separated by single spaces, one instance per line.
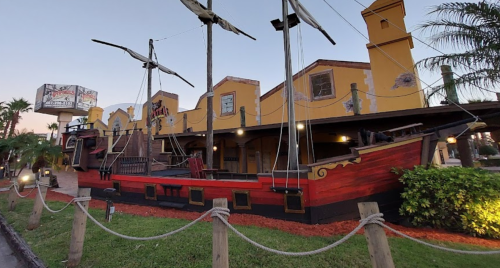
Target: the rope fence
pixel 374 222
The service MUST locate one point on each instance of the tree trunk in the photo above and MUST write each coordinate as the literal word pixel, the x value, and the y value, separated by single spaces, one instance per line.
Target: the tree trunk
pixel 15 120
pixel 51 135
pixel 6 129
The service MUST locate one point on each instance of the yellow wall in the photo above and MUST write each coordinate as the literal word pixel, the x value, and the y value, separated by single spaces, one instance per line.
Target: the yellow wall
pixel 333 107
pixel 390 56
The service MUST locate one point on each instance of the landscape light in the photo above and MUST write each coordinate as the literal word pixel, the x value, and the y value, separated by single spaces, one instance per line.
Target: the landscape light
pixel 300 126
pixel 215 148
pixel 239 131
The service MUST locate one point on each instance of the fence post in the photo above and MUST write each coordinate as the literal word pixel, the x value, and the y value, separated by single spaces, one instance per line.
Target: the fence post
pixel 220 254
pixel 13 198
pixel 36 213
pixel 378 246
pixel 78 230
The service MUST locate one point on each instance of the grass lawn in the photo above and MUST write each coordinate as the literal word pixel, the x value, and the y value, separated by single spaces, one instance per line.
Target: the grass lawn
pixel 193 247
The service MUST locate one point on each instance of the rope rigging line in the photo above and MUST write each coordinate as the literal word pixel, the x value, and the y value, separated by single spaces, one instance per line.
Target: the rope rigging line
pixel 177 34
pixel 227 118
pixel 267 113
pixel 391 58
pixel 330 104
pixel 198 121
pixel 139 95
pixel 179 148
pixel 215 210
pixel 281 132
pixel 418 39
pixel 178 164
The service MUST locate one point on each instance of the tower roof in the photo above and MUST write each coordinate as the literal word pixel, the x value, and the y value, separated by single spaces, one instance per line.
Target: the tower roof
pixel 381 5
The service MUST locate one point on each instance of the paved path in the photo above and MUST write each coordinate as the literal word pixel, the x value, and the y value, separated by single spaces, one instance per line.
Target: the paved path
pixel 7 257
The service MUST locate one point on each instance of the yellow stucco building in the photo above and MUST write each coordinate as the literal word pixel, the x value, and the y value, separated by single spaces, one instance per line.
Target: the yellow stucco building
pixel 323 91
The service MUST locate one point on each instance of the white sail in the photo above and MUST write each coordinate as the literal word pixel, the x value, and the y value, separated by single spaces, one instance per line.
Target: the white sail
pixel 207 15
pixel 304 15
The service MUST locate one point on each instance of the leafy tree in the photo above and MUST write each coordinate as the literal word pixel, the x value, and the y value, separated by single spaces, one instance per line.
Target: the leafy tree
pixel 52 127
pixel 29 148
pixel 471 29
pixel 17 107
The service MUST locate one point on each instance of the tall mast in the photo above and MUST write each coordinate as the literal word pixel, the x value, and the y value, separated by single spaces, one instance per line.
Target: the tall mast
pixel 210 94
pixel 150 106
pixel 292 143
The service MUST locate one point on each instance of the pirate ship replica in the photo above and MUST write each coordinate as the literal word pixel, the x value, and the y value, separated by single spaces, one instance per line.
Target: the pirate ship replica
pixel 320 192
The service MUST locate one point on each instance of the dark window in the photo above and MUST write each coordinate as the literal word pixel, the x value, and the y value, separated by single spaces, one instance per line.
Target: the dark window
pixel 384 24
pixel 196 196
pixel 150 191
pixel 294 203
pixel 322 86
pixel 241 200
pixel 78 152
pixel 117 186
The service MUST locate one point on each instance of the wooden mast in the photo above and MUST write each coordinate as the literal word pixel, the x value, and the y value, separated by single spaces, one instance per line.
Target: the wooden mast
pixel 150 105
pixel 292 143
pixel 210 95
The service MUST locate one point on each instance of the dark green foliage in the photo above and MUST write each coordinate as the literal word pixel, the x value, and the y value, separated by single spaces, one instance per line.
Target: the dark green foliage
pixel 487 150
pixel 455 198
pixel 490 162
pixel 470 30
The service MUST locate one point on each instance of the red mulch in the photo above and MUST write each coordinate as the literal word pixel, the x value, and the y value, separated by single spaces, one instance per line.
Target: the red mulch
pixel 4 183
pixel 336 228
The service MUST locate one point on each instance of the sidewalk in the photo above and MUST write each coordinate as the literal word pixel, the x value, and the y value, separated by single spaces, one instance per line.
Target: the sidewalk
pixel 68 182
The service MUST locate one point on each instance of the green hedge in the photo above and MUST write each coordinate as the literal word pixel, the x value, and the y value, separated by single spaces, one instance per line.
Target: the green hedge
pixel 455 198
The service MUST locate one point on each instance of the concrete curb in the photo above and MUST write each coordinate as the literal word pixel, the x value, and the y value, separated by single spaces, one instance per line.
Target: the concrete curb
pixel 19 246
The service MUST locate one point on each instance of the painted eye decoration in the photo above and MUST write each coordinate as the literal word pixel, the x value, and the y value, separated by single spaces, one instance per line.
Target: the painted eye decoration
pixel 349 105
pixel 170 120
pixel 405 80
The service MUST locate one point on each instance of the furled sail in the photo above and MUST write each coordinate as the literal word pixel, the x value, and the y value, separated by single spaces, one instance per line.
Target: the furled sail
pixel 304 15
pixel 140 57
pixel 207 15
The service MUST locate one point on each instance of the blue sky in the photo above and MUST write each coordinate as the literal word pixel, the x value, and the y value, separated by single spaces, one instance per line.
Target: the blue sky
pixel 49 42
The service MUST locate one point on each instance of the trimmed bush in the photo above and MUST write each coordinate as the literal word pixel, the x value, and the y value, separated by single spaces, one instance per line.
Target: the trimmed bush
pixel 487 150
pixel 455 198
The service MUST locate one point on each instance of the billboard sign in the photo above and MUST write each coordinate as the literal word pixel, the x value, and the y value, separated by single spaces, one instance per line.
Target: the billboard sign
pixel 39 98
pixel 59 96
pixel 54 98
pixel 85 98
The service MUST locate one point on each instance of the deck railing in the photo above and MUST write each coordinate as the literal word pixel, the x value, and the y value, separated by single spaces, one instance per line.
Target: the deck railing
pixel 131 165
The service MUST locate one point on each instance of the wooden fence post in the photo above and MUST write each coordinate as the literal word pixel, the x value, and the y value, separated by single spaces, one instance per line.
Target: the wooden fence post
pixel 36 213
pixel 378 246
pixel 220 251
pixel 78 231
pixel 12 198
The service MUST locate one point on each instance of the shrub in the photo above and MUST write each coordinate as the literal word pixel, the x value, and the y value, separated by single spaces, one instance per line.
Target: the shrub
pixel 455 198
pixel 487 150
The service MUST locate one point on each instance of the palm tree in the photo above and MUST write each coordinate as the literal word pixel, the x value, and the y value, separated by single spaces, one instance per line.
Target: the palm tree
pixel 3 109
pixel 83 121
pixel 52 127
pixel 473 30
pixel 17 106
